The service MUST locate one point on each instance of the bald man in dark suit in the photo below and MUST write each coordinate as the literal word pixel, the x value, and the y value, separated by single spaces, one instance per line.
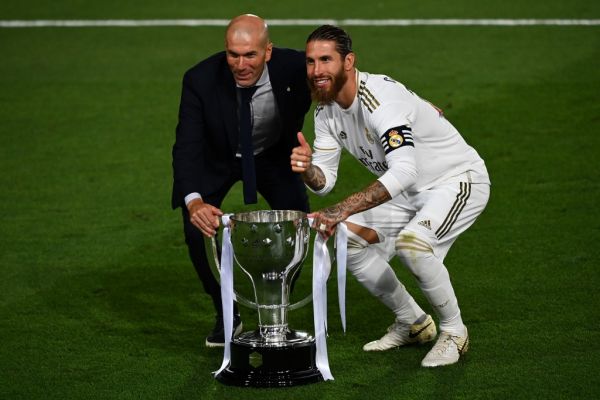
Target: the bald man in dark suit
pixel 210 155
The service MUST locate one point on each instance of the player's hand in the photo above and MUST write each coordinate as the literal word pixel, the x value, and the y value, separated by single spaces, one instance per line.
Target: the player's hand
pixel 301 156
pixel 204 217
pixel 325 222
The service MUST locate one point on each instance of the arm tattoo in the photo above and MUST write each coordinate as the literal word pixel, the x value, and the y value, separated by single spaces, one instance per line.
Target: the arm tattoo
pixel 372 196
pixel 314 178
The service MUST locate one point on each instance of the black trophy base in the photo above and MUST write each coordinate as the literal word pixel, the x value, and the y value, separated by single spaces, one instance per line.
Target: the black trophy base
pixel 263 367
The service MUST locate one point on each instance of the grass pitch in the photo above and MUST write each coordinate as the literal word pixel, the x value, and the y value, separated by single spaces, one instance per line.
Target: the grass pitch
pixel 98 298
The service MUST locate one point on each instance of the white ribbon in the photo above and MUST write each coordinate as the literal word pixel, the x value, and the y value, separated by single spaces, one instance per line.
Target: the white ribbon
pixel 321 271
pixel 226 290
pixel 341 245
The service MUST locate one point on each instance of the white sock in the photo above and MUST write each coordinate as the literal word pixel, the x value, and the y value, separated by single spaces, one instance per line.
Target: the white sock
pixel 378 277
pixel 433 279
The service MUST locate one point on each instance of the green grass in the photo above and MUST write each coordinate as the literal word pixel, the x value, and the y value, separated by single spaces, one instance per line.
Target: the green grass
pixel 98 298
pixel 81 9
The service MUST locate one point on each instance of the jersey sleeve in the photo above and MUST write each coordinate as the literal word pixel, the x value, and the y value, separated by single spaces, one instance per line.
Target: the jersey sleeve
pixel 326 154
pixel 392 122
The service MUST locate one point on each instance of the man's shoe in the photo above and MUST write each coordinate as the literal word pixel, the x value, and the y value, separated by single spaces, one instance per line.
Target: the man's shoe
pixel 447 350
pixel 217 336
pixel 400 334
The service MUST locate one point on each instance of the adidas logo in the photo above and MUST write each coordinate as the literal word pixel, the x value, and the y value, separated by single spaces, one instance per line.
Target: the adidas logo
pixel 426 224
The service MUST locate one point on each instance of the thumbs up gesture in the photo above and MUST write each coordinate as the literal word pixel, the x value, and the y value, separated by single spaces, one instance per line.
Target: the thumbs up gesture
pixel 301 155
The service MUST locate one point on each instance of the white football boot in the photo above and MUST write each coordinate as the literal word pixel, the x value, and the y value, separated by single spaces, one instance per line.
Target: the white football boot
pixel 447 350
pixel 400 334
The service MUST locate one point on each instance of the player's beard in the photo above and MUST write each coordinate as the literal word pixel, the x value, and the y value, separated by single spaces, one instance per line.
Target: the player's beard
pixel 326 96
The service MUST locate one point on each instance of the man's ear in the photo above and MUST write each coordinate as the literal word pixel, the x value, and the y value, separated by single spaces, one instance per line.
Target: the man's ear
pixel 269 51
pixel 349 61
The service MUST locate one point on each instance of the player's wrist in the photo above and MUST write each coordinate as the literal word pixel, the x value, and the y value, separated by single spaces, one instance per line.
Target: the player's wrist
pixel 314 178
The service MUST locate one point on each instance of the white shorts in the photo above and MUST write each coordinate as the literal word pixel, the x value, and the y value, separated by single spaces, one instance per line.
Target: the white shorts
pixel 439 215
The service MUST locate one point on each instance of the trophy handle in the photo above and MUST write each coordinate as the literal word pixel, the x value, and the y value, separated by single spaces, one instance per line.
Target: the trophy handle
pixel 236 297
pixel 243 300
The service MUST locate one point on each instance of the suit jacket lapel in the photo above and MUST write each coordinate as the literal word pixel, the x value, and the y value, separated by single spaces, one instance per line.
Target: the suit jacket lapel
pixel 277 83
pixel 228 102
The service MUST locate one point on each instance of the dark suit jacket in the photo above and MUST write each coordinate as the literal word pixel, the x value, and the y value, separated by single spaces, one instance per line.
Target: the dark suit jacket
pixel 207 132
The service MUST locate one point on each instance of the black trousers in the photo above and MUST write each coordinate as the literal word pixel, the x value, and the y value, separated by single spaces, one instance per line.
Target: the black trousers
pixel 275 181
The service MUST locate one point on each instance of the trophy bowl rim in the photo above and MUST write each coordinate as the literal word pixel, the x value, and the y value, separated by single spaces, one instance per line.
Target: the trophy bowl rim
pixel 272 216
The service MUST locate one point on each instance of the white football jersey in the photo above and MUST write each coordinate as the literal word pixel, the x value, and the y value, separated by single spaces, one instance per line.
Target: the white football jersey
pixel 398 136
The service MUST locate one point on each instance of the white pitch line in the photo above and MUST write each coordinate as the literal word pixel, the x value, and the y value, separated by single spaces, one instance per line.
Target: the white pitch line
pixel 296 22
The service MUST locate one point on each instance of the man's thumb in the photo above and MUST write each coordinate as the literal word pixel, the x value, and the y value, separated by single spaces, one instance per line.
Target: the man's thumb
pixel 302 141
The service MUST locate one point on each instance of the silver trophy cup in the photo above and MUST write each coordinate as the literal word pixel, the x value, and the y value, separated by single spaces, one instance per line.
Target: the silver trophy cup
pixel 270 247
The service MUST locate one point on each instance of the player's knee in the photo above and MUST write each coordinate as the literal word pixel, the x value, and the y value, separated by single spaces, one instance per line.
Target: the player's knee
pixel 356 243
pixel 412 245
pixel 357 247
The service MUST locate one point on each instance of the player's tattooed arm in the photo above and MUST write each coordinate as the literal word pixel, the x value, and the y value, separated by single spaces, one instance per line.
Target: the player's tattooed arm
pixel 372 196
pixel 314 178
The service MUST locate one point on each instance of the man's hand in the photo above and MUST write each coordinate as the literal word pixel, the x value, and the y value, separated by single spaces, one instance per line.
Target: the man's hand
pixel 323 223
pixel 301 155
pixel 204 216
pixel 301 161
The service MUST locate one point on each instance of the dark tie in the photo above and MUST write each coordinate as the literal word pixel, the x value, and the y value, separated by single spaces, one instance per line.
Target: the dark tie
pixel 248 172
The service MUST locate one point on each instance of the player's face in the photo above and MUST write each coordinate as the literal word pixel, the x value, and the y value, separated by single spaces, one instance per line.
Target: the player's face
pixel 246 56
pixel 324 70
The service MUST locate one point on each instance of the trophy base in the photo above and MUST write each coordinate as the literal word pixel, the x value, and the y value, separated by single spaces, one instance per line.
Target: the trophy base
pixel 262 366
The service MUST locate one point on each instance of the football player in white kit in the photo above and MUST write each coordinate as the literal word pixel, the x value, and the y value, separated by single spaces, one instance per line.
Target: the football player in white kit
pixel 430 187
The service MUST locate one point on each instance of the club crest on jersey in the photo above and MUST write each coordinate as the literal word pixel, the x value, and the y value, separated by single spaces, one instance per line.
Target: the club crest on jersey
pixel 397 137
pixel 343 135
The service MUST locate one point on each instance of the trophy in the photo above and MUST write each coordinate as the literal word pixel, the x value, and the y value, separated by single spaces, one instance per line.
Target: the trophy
pixel 270 247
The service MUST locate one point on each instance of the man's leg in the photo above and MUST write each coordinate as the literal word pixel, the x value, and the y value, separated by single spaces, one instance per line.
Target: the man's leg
pixel 445 212
pixel 197 252
pixel 195 242
pixel 370 266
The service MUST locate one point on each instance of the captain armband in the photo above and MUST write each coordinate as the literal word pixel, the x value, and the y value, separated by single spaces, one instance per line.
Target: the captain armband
pixel 397 137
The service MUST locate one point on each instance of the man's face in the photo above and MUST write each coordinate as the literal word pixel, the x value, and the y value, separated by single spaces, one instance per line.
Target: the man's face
pixel 246 56
pixel 324 70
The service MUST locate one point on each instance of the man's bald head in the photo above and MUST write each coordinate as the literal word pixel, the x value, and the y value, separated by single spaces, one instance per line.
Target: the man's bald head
pixel 248 26
pixel 248 48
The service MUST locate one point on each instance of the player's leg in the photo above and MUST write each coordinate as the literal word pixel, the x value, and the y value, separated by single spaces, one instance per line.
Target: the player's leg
pixel 368 261
pixel 444 213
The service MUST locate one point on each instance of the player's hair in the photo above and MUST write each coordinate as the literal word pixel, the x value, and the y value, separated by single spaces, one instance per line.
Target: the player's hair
pixel 343 42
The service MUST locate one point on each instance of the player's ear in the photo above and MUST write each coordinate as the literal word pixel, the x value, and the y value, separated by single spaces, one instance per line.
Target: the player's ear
pixel 349 61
